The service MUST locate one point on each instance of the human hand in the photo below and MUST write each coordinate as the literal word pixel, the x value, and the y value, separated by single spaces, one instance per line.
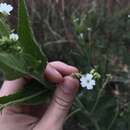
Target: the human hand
pixel 38 117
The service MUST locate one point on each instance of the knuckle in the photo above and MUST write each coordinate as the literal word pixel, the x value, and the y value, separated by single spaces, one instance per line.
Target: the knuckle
pixel 48 65
pixel 62 103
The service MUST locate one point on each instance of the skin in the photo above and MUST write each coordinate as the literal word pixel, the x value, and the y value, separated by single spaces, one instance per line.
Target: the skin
pixel 51 117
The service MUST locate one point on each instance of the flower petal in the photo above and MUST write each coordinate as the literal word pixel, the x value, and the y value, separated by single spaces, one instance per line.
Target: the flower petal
pixel 93 82
pixel 89 76
pixel 5 8
pixel 89 86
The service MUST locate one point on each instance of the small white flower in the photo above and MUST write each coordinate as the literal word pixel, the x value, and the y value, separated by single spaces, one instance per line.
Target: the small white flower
pixel 128 15
pixel 5 8
pixel 76 20
pixel 87 81
pixel 14 37
pixel 89 29
pixel 81 35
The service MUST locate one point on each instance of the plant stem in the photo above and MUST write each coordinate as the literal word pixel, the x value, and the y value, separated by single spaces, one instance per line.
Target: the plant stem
pixel 20 100
pixel 88 114
pixel 99 94
pixel 73 113
pixel 114 119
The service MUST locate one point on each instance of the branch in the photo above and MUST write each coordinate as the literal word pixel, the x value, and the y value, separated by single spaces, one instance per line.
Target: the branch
pixel 51 30
pixel 55 42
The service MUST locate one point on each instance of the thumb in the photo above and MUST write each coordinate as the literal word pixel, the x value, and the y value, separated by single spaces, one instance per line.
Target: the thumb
pixel 60 105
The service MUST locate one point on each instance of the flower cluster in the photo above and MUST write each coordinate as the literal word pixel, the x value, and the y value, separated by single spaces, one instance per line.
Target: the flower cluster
pixel 6 9
pixel 14 37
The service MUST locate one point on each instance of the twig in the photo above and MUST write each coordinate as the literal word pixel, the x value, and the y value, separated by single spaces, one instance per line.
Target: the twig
pixel 119 2
pixel 73 113
pixel 100 94
pixel 67 27
pixel 51 30
pixel 55 42
pixel 88 114
pixel 114 119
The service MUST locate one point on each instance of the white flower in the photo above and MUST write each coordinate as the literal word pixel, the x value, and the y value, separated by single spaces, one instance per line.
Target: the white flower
pixel 76 20
pixel 128 15
pixel 87 81
pixel 81 35
pixel 5 8
pixel 14 37
pixel 89 29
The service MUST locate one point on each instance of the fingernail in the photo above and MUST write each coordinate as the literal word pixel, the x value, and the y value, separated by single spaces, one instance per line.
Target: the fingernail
pixel 68 89
pixel 69 86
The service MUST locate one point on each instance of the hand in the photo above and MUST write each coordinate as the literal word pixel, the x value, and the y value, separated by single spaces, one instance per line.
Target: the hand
pixel 39 117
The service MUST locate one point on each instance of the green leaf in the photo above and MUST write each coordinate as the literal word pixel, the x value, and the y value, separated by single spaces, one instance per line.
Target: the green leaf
pixel 27 39
pixel 19 65
pixel 4 28
pixel 32 93
pixel 31 60
pixel 8 72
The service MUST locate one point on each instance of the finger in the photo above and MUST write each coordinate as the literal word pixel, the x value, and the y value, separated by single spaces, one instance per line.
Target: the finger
pixel 55 71
pixel 63 68
pixel 52 74
pixel 10 87
pixel 62 101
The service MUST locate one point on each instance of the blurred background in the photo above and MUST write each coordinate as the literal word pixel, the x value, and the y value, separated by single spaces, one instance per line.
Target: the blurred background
pixel 88 34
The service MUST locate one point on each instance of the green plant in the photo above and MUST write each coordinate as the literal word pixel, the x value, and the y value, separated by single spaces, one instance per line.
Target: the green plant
pixel 103 45
pixel 104 40
pixel 21 55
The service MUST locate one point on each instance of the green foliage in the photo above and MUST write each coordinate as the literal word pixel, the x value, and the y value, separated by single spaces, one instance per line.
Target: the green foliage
pixel 30 60
pixel 27 38
pixel 20 58
pixel 104 40
pixel 4 28
pixel 30 94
